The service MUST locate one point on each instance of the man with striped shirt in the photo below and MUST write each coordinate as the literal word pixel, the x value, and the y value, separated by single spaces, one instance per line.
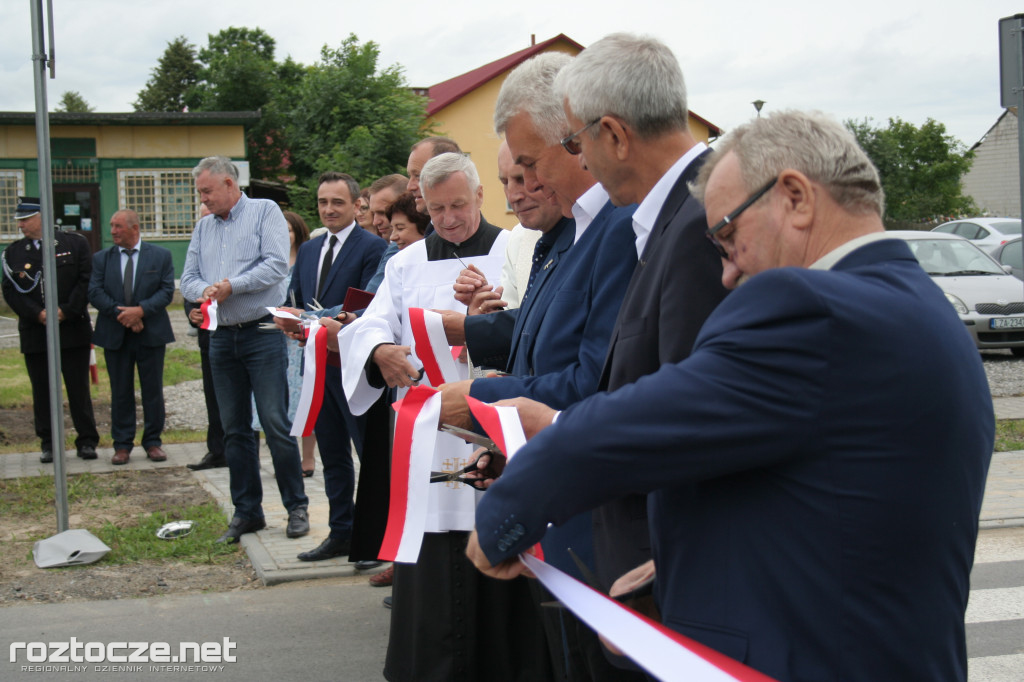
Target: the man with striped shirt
pixel 238 257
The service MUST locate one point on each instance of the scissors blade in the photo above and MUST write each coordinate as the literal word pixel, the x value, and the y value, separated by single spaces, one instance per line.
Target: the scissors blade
pixel 316 305
pixel 588 575
pixel 475 438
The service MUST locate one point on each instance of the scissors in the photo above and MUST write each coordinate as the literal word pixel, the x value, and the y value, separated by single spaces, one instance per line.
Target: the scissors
pixel 457 476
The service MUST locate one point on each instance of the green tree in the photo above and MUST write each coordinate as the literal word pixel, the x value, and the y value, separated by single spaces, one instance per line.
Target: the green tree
pixel 921 168
pixel 73 103
pixel 348 115
pixel 172 83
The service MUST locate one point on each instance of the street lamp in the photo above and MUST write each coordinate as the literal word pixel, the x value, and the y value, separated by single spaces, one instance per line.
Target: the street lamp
pixel 758 103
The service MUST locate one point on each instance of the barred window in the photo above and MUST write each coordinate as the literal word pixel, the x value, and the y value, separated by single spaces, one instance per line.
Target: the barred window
pixel 165 200
pixel 12 185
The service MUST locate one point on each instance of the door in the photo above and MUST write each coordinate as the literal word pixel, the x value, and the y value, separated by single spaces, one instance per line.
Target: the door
pixel 76 208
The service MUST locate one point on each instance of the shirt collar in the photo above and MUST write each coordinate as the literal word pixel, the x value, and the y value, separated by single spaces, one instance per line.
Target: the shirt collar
pixel 829 260
pixel 236 210
pixel 587 207
pixel 647 213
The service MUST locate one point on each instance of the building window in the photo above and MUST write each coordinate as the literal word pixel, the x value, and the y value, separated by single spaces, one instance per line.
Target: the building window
pixel 12 185
pixel 165 200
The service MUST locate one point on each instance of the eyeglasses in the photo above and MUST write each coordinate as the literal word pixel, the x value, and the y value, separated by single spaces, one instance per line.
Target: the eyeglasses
pixel 570 144
pixel 712 232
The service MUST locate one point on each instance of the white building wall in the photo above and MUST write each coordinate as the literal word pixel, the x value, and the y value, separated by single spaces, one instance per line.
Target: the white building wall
pixel 994 178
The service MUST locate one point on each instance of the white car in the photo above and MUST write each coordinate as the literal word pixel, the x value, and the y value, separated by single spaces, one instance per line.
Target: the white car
pixel 990 301
pixel 987 233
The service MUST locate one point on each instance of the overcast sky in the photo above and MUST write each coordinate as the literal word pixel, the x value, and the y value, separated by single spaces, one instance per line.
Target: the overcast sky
pixel 873 58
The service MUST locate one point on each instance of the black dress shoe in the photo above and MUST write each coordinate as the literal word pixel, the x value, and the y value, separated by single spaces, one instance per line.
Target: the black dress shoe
pixel 328 549
pixel 239 527
pixel 366 565
pixel 46 457
pixel 87 452
pixel 387 602
pixel 209 461
pixel 298 523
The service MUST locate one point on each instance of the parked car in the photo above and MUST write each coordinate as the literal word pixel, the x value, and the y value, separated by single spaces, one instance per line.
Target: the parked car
pixel 988 233
pixel 1010 254
pixel 989 300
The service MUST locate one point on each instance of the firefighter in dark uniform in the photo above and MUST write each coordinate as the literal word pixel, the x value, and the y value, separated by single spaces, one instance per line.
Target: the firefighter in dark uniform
pixel 23 291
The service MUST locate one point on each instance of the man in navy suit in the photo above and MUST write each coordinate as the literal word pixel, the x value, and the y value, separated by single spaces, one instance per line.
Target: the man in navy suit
pixel 132 284
pixel 325 268
pixel 561 330
pixel 816 467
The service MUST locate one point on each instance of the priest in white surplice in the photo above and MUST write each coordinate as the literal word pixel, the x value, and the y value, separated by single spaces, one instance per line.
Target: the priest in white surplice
pixel 445 615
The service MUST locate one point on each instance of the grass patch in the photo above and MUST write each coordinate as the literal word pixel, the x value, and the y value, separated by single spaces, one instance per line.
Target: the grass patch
pixel 1009 435
pixel 108 506
pixel 34 494
pixel 180 364
pixel 138 542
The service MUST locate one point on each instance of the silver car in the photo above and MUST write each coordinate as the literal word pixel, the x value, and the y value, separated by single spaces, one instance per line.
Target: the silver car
pixel 988 233
pixel 989 300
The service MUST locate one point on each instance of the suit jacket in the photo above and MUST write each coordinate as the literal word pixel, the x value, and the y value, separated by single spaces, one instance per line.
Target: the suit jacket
pixel 562 330
pixel 154 289
pixel 816 470
pixel 74 264
pixel 675 286
pixel 353 267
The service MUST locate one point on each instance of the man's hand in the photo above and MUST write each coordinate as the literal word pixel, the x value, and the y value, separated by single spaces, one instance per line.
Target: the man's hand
pixel 218 291
pixel 137 327
pixel 467 283
pixel 534 416
pixel 396 370
pixel 196 316
pixel 130 316
pixel 488 467
pixel 506 570
pixel 454 326
pixel 289 327
pixel 454 408
pixel 486 300
pixel 42 316
pixel 626 583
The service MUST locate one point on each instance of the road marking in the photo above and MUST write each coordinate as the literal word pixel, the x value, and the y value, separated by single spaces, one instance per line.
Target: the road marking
pixel 996 668
pixel 985 606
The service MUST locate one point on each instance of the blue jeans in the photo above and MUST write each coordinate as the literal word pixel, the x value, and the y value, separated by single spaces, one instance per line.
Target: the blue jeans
pixel 250 361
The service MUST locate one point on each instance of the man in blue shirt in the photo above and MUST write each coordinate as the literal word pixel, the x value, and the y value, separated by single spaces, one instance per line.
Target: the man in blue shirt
pixel 238 257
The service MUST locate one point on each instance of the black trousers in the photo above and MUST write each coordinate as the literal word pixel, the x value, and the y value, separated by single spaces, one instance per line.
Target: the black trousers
pixel 121 365
pixel 215 430
pixel 74 364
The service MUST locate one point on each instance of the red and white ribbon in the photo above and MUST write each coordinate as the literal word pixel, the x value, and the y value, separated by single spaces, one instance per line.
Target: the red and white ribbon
pixel 662 652
pixel 502 425
pixel 311 397
pixel 94 370
pixel 209 309
pixel 431 346
pixel 415 437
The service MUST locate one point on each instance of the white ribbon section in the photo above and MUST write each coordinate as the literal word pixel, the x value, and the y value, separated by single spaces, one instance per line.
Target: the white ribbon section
pixel 312 375
pixel 649 647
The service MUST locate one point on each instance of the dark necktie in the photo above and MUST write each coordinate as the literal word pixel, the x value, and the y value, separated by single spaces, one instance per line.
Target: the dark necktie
pixel 129 276
pixel 540 253
pixel 326 267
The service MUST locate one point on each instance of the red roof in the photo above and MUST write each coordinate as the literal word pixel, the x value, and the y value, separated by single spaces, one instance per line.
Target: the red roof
pixel 446 92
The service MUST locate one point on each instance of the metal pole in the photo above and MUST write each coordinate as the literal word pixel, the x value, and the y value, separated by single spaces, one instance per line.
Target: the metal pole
pixel 49 266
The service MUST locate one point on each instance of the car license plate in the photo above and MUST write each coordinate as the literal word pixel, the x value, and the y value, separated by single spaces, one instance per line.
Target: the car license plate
pixel 1006 323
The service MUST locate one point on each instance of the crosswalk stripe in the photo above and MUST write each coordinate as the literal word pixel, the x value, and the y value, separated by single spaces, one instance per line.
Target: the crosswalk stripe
pixel 999 545
pixel 985 606
pixel 996 668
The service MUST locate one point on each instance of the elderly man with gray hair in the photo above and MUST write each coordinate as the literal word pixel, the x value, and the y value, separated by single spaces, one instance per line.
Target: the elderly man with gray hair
pixel 449 622
pixel 238 257
pixel 815 471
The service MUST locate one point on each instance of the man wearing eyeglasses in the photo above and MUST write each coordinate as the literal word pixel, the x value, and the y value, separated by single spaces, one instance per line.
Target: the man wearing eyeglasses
pixel 815 468
pixel 625 100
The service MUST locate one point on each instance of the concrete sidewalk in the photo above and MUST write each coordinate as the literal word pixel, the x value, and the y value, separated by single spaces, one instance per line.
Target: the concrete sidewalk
pixel 274 556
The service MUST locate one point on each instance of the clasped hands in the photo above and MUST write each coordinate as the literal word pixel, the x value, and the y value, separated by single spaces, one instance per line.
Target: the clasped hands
pixel 473 291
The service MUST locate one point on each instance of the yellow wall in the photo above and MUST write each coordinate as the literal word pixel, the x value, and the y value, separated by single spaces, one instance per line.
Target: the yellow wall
pixel 133 142
pixel 470 122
